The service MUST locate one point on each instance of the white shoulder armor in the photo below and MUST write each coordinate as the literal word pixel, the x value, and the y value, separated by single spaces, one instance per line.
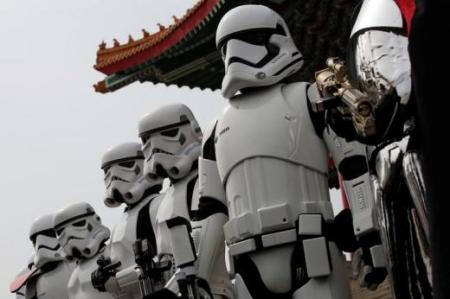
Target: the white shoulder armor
pixel 175 201
pixel 273 122
pixel 124 235
pixel 53 284
pixel 210 185
pixel 173 204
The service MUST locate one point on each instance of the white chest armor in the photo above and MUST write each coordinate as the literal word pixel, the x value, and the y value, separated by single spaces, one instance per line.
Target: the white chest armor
pixel 123 238
pixel 53 284
pixel 174 203
pixel 80 285
pixel 124 235
pixel 271 162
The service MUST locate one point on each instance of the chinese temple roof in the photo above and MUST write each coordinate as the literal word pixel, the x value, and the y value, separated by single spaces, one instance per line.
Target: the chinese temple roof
pixel 184 53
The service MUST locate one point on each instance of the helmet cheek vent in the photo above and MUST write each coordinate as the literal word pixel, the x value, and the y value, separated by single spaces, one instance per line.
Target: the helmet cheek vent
pixel 137 170
pixel 182 139
pixel 174 170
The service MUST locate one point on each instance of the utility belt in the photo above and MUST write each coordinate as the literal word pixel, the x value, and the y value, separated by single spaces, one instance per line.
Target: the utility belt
pixel 312 233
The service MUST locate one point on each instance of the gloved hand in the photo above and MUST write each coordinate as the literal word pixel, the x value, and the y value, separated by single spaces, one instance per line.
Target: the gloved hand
pixel 106 269
pixel 362 268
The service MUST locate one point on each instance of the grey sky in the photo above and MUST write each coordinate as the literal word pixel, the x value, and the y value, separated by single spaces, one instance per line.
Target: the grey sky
pixel 53 126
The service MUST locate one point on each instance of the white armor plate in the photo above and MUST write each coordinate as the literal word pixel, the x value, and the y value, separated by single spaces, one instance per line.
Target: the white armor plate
pixel 173 204
pixel 80 285
pixel 123 238
pixel 53 284
pixel 270 133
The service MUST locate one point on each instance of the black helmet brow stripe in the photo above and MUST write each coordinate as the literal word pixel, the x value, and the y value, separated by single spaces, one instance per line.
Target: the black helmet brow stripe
pixel 259 64
pixel 277 30
pixel 106 164
pixel 162 128
pixel 58 225
pixel 45 232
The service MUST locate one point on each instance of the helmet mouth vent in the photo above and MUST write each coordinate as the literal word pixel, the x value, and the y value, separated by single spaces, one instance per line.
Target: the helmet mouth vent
pixel 76 253
pixel 117 196
pixel 161 172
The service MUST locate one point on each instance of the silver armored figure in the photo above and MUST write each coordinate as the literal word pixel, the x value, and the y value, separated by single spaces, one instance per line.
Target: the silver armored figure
pixel 379 65
pixel 378 68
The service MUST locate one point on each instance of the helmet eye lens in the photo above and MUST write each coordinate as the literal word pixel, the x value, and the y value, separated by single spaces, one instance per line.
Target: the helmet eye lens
pixel 145 139
pixel 105 170
pixel 223 49
pixel 33 240
pixel 127 164
pixel 170 133
pixel 79 223
pixel 259 37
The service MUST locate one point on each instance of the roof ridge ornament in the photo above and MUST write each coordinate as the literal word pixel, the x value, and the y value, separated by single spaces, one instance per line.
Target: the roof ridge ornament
pixel 145 33
pixel 161 27
pixel 102 45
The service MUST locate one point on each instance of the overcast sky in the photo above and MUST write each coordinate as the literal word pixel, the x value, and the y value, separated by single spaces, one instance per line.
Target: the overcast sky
pixel 53 127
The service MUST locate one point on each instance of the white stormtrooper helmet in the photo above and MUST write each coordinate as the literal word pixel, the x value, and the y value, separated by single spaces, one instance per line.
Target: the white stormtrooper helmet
pixel 44 241
pixel 80 231
pixel 123 166
pixel 171 139
pixel 257 48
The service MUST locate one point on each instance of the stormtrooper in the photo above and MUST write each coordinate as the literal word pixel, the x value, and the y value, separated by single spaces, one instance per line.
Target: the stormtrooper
pixel 266 157
pixel 125 183
pixel 188 231
pixel 47 275
pixel 82 237
pixel 378 68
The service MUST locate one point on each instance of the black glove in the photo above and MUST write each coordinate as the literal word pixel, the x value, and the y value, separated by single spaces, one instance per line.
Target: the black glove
pixel 106 269
pixel 362 263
